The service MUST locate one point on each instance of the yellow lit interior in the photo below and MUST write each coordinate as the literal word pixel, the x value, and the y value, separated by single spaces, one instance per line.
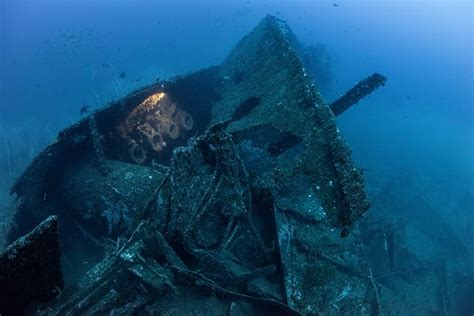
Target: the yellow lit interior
pixel 153 123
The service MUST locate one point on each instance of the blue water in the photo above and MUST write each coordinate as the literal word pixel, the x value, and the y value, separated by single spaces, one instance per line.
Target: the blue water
pixel 416 132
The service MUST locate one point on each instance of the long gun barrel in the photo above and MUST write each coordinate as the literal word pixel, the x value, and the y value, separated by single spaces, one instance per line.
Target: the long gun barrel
pixel 359 91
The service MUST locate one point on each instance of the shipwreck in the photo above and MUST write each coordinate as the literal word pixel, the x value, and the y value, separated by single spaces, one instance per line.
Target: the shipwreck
pixel 228 191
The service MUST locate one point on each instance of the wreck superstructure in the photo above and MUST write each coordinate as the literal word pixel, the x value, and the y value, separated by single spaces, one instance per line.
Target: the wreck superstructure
pixel 233 180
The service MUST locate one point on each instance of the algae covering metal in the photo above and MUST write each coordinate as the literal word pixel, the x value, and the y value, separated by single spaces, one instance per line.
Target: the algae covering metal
pixel 265 67
pixel 30 269
pixel 311 179
pixel 251 209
